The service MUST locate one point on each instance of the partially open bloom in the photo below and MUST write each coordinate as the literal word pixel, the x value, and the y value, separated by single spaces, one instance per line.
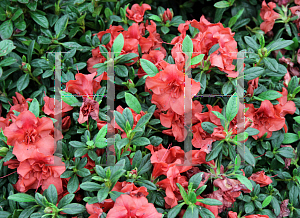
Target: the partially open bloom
pixel 261 179
pixel 167 15
pixel 88 108
pixel 137 12
pixel 268 15
pixel 130 189
pixel 95 210
pixel 284 211
pixel 232 214
pixel 128 207
pixel 252 85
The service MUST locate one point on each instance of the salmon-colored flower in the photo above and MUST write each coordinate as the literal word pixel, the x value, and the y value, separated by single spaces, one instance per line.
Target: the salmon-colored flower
pixel 265 119
pixel 232 214
pixel 268 15
pixel 136 13
pixel 130 189
pixel 252 85
pixel 85 85
pixel 284 107
pixel 256 216
pixel 88 108
pixel 168 89
pixel 155 57
pixel 20 104
pixel 49 106
pixel 41 170
pixel 28 133
pixel 95 210
pixel 127 207
pixel 261 179
pixel 66 123
pixel 4 122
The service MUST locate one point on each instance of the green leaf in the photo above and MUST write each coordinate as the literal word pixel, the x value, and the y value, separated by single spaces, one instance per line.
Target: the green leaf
pixel 197 59
pixel 252 131
pixel 35 107
pixel 73 184
pixel 253 73
pixel 244 181
pixel 133 103
pixel 68 98
pixel 246 154
pixel 191 212
pixel 175 211
pixel 215 151
pixel 205 213
pixel 252 43
pixel 187 46
pixel 200 190
pixel 241 136
pixel 120 120
pixel 213 49
pixel 23 82
pixel 7 61
pixel 227 88
pixel 72 45
pixel 17 14
pixel 155 17
pixel 271 64
pixel 39 19
pixel 6 29
pixel 237 163
pixel 208 127
pixel 51 194
pixel 74 208
pixel 279 44
pixel 196 180
pixel 232 107
pixel 6 46
pixel 183 193
pixel 61 25
pixel 30 51
pixel 219 115
pixel 249 207
pixel 270 95
pixel 141 141
pixel 102 194
pixel 21 197
pixel 286 152
pixel 143 120
pixel 90 186
pixel 2 14
pixel 105 38
pixel 118 45
pixel 222 4
pixel 267 201
pixel 233 20
pixel 210 201
pixel 67 199
pixel 149 67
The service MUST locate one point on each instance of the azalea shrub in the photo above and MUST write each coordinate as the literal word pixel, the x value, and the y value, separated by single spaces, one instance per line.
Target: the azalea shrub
pixel 122 109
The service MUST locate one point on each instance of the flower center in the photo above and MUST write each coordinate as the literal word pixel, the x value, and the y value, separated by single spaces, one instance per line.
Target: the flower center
pixel 30 136
pixel 174 89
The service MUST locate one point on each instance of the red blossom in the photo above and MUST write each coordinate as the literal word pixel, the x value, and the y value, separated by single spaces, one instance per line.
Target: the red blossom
pixel 284 211
pixel 130 189
pixel 168 89
pixel 95 210
pixel 127 207
pixel 49 107
pixel 167 15
pixel 268 15
pixel 28 134
pixel 136 13
pixel 89 108
pixel 261 179
pixel 257 216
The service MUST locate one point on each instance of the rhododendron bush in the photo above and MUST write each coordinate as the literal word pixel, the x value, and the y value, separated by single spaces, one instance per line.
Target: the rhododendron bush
pixel 120 109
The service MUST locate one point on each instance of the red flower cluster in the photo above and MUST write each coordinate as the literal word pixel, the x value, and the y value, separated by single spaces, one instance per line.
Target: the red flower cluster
pixel 34 146
pixel 208 36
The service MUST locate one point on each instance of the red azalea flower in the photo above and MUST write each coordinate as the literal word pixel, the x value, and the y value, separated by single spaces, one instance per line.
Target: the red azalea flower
pixel 95 210
pixel 20 104
pixel 4 123
pixel 252 85
pixel 257 216
pixel 232 214
pixel 137 12
pixel 85 85
pixel 129 207
pixel 284 107
pixel 49 106
pixel 39 171
pixel 88 108
pixel 268 15
pixel 168 89
pixel 167 15
pixel 261 179
pixel 130 189
pixel 264 119
pixel 163 159
pixel 66 123
pixel 28 133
